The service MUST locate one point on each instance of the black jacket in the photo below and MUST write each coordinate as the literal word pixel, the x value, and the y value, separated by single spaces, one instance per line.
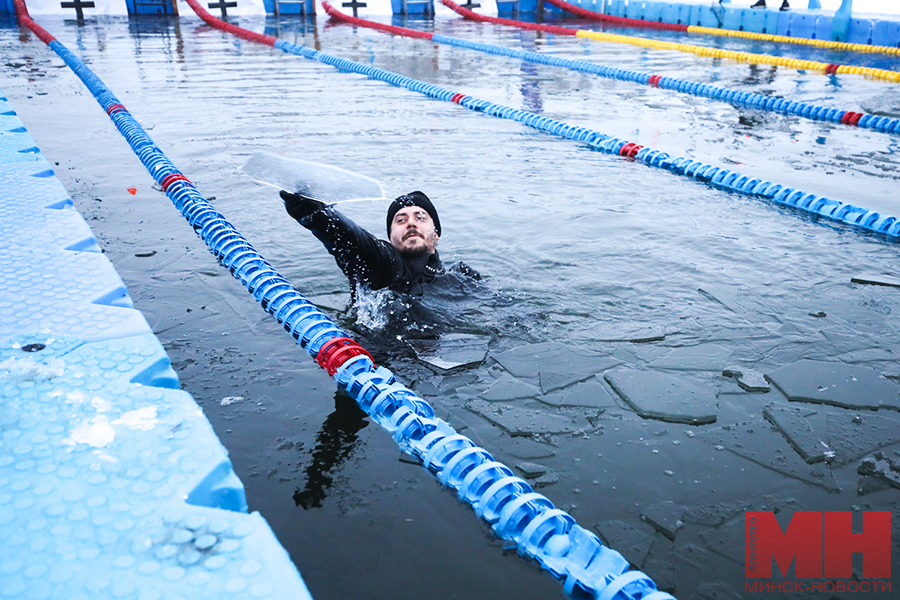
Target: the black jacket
pixel 365 259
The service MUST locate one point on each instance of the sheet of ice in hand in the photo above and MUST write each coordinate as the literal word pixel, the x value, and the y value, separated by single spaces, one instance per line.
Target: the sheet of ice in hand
pixel 326 183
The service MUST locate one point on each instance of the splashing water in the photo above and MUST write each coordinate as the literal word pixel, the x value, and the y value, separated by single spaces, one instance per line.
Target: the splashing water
pixel 372 308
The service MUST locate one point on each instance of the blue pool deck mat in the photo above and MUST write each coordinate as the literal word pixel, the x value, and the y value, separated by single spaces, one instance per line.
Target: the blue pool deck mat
pixel 112 481
pixel 799 21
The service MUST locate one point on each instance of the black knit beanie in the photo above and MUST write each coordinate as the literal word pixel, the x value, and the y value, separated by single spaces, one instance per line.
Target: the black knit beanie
pixel 413 199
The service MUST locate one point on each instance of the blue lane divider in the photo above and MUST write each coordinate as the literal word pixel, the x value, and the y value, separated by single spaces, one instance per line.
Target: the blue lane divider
pixel 517 513
pixel 735 97
pixel 722 178
pixel 751 100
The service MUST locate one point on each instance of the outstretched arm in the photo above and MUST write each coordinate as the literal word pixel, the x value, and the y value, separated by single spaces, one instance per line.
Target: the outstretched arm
pixel 361 256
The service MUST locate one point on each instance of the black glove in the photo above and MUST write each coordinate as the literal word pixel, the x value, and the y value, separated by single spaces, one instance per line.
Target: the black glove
pixel 299 206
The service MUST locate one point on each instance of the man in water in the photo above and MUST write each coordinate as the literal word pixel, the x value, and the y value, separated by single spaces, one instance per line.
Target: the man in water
pixel 409 260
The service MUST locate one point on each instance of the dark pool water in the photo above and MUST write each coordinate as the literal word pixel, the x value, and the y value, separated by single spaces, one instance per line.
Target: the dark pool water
pixel 579 250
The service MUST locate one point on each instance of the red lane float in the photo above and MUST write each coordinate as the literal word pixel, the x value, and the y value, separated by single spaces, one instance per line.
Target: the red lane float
pixel 473 16
pixel 392 29
pixel 170 179
pixel 25 19
pixel 232 29
pixel 624 21
pixel 334 353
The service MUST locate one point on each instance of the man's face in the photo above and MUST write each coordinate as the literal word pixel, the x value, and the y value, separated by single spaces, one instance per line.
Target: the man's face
pixel 412 231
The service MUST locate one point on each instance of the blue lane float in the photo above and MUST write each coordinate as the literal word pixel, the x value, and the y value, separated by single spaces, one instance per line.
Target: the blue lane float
pixel 112 482
pixel 730 180
pixel 693 88
pixel 540 531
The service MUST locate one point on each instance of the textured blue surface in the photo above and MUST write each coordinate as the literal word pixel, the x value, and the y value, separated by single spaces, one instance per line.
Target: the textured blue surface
pixel 112 482
pixel 797 22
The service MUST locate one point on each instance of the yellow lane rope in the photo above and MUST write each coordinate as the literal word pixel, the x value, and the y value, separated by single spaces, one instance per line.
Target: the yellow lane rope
pixel 767 37
pixel 746 57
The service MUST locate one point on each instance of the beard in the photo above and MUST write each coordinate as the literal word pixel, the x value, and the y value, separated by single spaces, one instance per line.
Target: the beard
pixel 415 252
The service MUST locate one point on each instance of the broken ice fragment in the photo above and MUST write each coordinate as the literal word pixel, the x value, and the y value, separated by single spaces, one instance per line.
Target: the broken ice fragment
pixel 666 517
pixel 531 470
pixel 509 388
pixel 589 393
pixel 526 361
pixel 853 436
pixel 762 443
pixel 546 479
pixel 748 379
pixel 727 540
pixel 879 465
pixel 631 543
pixel 663 574
pixel 452 350
pixel 869 485
pixel 523 448
pixel 552 380
pixel 839 384
pixel 523 421
pixel 661 396
pixel 634 335
pixel 876 280
pixel 723 296
pixel 705 357
pixel 713 515
pixel 798 432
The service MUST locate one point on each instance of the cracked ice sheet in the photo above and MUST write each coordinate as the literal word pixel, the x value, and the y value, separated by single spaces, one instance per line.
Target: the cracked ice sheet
pixel 881 466
pixel 665 397
pixel 705 357
pixel 523 448
pixel 631 543
pixel 762 443
pixel 799 433
pixel 591 393
pixel 508 388
pixel 722 295
pixel 585 393
pixel 727 540
pixel 662 573
pixel 748 379
pixel 528 361
pixel 526 421
pixel 631 333
pixel 452 350
pixel 853 436
pixel 666 517
pixel 553 380
pixel 715 514
pixel 876 279
pixel 838 384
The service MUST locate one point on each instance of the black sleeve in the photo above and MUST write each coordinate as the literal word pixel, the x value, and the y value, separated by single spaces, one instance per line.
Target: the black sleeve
pixel 361 256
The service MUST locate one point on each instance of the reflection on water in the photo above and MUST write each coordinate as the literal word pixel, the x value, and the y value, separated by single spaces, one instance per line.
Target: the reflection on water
pixel 335 442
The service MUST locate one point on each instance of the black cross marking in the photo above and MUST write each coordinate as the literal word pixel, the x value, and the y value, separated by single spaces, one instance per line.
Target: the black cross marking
pixel 354 4
pixel 79 6
pixel 223 6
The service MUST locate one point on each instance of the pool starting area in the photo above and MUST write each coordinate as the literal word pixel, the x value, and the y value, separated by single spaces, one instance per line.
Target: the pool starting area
pixel 805 19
